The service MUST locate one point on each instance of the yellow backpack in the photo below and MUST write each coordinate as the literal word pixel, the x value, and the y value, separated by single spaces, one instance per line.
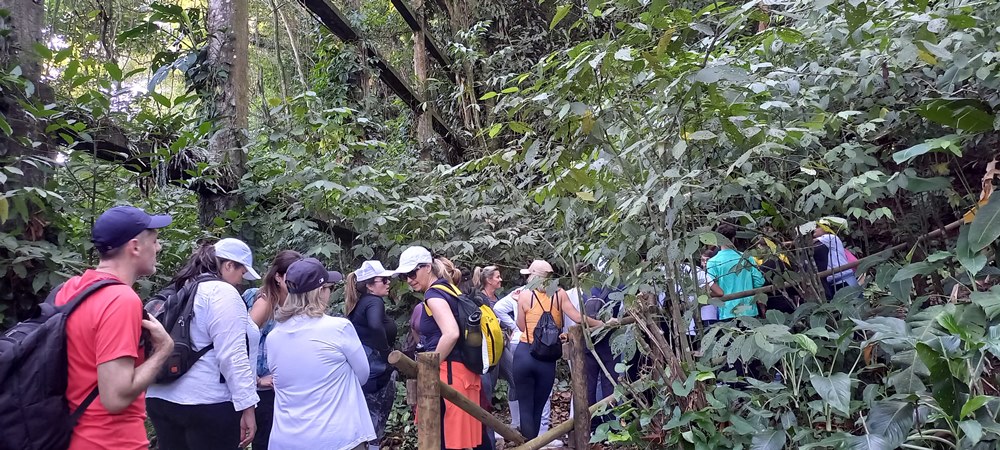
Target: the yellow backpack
pixel 489 324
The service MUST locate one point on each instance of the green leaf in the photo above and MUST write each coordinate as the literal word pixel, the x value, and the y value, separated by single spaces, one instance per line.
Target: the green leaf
pixel 988 300
pixel 973 430
pixel 891 420
pixel 5 127
pixel 769 440
pixel 918 185
pixel 488 95
pixel 985 227
pixel 974 404
pixel 113 70
pixel 835 390
pixel 923 148
pixel 561 12
pixel 913 270
pixel 961 113
pixel 4 210
pixel 43 50
pixel 144 29
pixel 495 130
pixel 868 442
pixel 944 387
pixel 519 127
pixel 806 342
pixel 970 260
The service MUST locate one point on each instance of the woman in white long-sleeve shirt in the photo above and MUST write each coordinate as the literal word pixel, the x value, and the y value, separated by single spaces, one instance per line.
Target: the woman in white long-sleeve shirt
pixel 212 404
pixel 318 365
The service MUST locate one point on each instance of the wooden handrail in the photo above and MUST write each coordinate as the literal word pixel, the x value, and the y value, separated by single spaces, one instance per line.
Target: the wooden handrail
pixel 408 368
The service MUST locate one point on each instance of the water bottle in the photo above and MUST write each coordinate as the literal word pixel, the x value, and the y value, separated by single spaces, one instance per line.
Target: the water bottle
pixel 473 333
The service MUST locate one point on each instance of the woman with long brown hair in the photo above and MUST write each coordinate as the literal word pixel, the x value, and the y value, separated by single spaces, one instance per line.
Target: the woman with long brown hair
pixel 364 306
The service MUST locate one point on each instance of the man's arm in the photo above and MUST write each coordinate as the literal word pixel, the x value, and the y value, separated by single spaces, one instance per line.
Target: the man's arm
pixel 119 381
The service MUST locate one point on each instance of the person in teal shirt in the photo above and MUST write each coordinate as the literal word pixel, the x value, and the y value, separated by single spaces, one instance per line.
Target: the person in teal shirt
pixel 734 272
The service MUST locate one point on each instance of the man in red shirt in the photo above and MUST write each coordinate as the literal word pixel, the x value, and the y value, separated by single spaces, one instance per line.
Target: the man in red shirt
pixel 103 334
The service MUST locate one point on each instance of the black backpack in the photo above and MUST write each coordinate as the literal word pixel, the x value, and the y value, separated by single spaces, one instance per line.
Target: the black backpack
pixel 34 413
pixel 463 307
pixel 175 310
pixel 544 340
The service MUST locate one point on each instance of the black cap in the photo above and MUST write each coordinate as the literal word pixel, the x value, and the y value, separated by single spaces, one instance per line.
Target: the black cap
pixel 121 224
pixel 308 274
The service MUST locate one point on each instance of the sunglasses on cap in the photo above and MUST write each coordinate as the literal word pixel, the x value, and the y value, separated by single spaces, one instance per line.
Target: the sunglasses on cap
pixel 412 273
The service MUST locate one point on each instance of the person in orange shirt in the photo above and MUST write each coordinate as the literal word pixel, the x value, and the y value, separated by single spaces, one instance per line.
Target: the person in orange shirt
pixel 103 334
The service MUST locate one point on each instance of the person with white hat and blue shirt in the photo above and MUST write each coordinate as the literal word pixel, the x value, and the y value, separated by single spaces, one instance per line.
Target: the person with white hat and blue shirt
pixel 212 404
pixel 364 306
pixel 318 365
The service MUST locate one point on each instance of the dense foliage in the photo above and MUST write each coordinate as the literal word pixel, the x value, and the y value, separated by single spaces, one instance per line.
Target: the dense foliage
pixel 611 133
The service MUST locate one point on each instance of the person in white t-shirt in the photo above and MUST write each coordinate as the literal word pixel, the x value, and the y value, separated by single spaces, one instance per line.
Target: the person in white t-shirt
pixel 318 365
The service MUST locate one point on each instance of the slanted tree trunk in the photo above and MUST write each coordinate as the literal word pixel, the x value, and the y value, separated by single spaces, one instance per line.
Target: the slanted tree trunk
pixel 228 48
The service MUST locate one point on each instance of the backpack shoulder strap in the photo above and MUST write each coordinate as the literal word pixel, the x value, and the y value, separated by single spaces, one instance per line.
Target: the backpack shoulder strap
pixel 451 290
pixel 75 417
pixel 74 302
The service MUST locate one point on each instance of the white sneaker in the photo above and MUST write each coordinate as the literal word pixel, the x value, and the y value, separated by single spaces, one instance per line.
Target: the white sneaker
pixel 555 444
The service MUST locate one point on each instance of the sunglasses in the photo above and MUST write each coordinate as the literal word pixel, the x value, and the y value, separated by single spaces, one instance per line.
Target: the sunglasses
pixel 381 280
pixel 412 273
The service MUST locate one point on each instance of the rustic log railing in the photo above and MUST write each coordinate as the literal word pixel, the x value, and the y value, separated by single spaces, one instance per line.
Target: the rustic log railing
pixel 430 389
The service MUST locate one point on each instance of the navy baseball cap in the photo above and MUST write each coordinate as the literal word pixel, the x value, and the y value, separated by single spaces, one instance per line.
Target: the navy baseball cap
pixel 308 274
pixel 120 224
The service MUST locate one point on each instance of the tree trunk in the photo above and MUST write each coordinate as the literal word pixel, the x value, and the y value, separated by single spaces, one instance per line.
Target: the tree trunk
pixel 424 131
pixel 27 149
pixel 25 23
pixel 228 48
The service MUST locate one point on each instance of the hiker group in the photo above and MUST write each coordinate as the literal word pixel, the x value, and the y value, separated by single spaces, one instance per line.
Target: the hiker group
pixel 214 368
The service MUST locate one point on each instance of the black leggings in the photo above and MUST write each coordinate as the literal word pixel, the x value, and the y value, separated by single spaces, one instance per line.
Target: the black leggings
pixel 534 380
pixel 265 417
pixel 194 427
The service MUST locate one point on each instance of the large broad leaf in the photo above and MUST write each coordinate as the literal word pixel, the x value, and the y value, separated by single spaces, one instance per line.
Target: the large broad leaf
pixel 985 228
pixel 944 386
pixel 918 185
pixel 932 145
pixel 835 390
pixel 961 113
pixel 892 420
pixel 909 271
pixel 970 260
pixel 769 440
pixel 989 301
pixel 868 442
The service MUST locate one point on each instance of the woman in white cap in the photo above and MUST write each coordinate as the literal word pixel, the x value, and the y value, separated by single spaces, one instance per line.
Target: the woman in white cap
pixel 318 365
pixel 439 333
pixel 534 377
pixel 364 305
pixel 212 404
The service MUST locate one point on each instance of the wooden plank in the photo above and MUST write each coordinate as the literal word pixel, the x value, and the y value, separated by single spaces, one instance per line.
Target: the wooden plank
pixel 408 368
pixel 429 402
pixel 417 24
pixel 580 437
pixel 338 24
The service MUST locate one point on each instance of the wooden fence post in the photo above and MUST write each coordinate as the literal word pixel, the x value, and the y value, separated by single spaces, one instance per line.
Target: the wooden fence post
pixel 429 401
pixel 408 368
pixel 580 437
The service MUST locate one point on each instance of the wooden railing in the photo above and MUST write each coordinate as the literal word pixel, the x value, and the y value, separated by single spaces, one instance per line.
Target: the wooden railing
pixel 430 391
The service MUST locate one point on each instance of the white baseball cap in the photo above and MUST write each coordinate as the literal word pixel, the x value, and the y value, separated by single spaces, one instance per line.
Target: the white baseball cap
pixel 237 251
pixel 413 257
pixel 372 269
